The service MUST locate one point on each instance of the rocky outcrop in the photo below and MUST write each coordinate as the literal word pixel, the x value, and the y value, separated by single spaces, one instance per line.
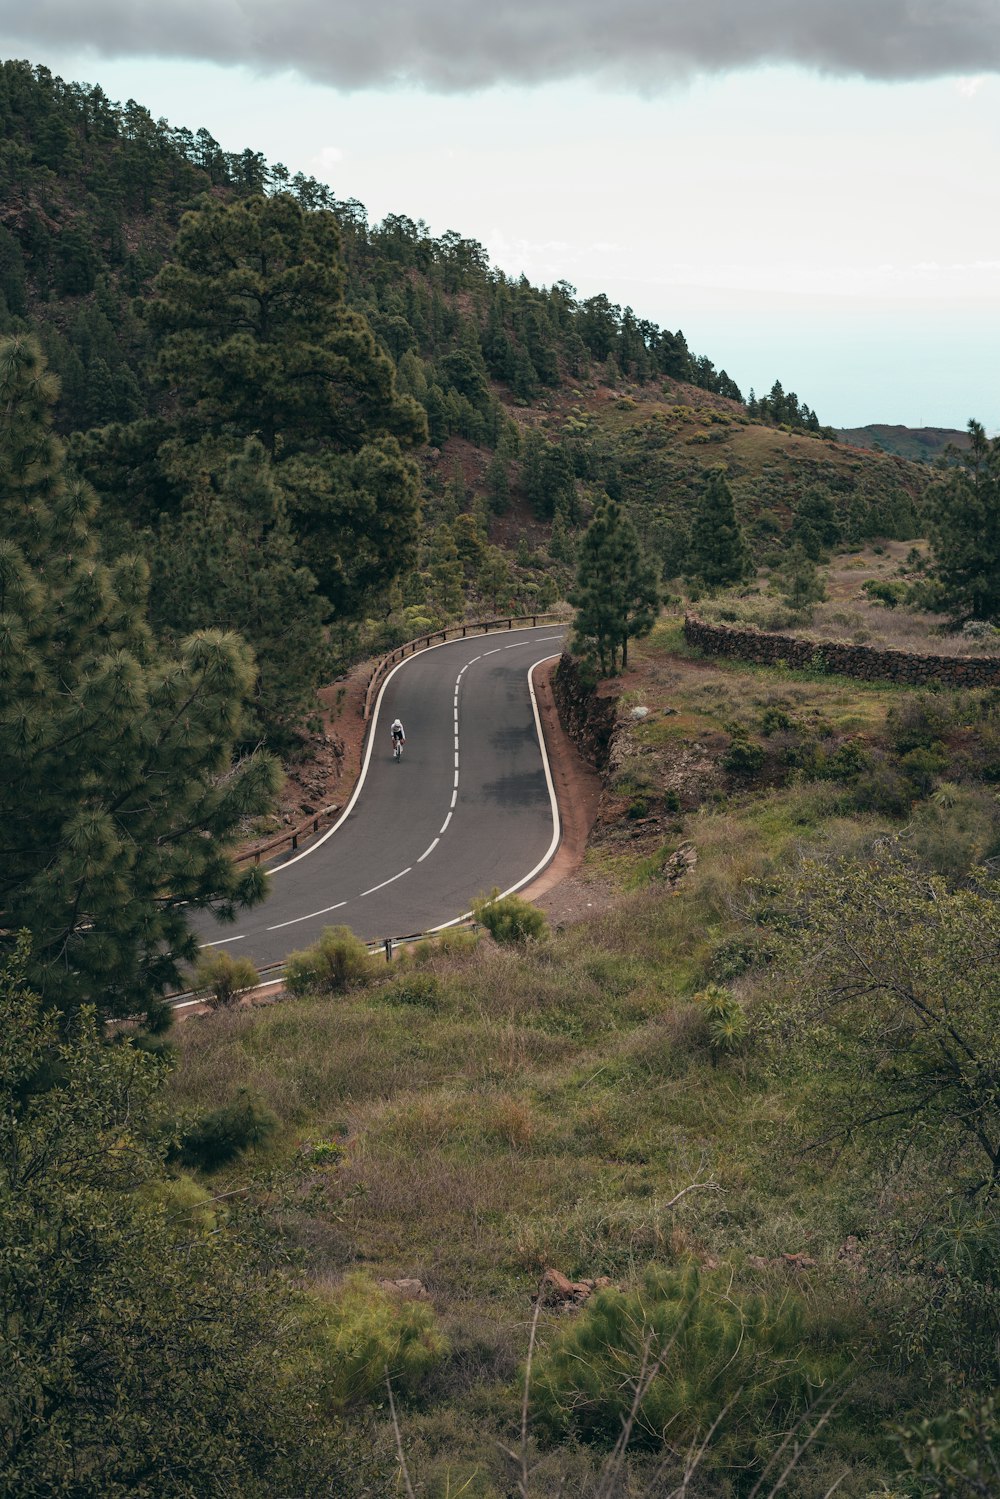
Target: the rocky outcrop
pixel 557 1290
pixel 866 662
pixel 588 718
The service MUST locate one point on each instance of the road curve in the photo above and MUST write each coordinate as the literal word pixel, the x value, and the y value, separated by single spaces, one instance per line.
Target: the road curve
pixel 468 807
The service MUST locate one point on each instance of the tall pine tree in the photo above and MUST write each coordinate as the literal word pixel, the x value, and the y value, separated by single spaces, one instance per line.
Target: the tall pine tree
pixel 965 530
pixel 117 789
pixel 256 340
pixel 717 553
pixel 616 594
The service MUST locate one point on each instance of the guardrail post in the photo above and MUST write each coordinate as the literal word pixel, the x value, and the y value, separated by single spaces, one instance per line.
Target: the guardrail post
pixel 295 841
pixel 387 944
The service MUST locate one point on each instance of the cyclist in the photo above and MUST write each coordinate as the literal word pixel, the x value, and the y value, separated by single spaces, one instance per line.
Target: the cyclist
pixel 398 738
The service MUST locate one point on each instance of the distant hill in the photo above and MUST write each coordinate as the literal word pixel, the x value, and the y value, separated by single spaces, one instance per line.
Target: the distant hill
pixel 919 444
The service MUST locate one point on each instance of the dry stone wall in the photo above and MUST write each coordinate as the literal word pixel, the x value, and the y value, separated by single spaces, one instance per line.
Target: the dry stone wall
pixel 869 663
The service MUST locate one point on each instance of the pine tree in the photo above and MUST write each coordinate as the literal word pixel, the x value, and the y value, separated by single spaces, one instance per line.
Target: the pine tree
pixel 117 789
pixel 801 584
pixel 229 561
pixel 447 573
pixel 256 340
pixel 965 530
pixel 717 554
pixel 615 594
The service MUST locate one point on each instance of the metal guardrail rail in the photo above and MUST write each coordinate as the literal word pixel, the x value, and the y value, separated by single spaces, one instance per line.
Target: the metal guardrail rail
pixel 271 972
pixel 438 637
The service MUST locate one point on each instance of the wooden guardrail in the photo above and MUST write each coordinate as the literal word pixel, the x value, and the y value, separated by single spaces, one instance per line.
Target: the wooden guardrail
pixel 291 835
pixel 437 637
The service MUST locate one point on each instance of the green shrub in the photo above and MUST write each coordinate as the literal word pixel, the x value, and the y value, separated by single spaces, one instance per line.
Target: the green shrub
pixel 775 720
pixel 337 962
pixel 917 722
pixel 219 1137
pixel 882 789
pixel 413 987
pixel 922 766
pixel 958 829
pixel 742 758
pixel 848 761
pixel 510 919
pixel 226 978
pixel 889 594
pixel 725 1020
pixel 361 1334
pixel 737 955
pixel 709 1354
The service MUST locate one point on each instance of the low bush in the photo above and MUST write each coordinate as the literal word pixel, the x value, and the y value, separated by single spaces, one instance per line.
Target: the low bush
pixel 219 1137
pixel 743 758
pixel 917 722
pixel 889 594
pixel 509 918
pixel 413 987
pixel 226 978
pixel 734 956
pixel 362 1335
pixel 337 962
pixel 697 1355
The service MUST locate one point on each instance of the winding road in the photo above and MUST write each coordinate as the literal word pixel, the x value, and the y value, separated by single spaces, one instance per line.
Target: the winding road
pixel 469 806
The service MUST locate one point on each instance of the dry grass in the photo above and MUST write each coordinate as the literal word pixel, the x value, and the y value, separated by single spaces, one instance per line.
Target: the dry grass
pixel 850 615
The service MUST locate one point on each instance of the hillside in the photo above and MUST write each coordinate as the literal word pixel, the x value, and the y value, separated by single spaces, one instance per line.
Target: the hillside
pixel 536 402
pixel 690 1189
pixel 918 444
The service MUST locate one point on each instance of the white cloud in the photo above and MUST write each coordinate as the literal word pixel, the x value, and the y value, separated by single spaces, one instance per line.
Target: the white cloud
pixel 638 44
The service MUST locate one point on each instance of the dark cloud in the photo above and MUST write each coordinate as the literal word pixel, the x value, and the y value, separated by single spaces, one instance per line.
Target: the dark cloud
pixel 453 45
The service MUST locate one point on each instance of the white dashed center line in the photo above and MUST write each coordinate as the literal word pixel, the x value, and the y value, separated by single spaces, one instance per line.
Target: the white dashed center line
pixel 395 877
pixel 295 920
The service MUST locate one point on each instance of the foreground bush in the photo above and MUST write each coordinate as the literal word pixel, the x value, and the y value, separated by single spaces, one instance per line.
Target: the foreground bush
pixel 145 1352
pixel 363 1335
pixel 509 919
pixel 337 962
pixel 224 1134
pixel 689 1356
pixel 226 978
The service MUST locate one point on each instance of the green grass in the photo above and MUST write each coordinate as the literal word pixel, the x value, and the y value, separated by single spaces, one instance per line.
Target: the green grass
pixel 541 1105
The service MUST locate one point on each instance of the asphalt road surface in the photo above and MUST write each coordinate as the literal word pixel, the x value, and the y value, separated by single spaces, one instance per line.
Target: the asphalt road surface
pixel 467 808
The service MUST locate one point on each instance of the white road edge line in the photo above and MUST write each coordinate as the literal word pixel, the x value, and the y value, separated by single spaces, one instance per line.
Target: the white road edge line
pixel 433 846
pixel 556 828
pixel 372 737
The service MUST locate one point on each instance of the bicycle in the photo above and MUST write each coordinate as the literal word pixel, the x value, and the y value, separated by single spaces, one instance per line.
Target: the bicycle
pixel 397 747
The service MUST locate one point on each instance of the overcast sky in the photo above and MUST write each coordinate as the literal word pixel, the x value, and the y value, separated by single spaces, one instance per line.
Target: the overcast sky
pixel 806 187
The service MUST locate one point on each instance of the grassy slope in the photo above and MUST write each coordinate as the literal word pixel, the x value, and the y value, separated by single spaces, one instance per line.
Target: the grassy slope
pixel 550 1104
